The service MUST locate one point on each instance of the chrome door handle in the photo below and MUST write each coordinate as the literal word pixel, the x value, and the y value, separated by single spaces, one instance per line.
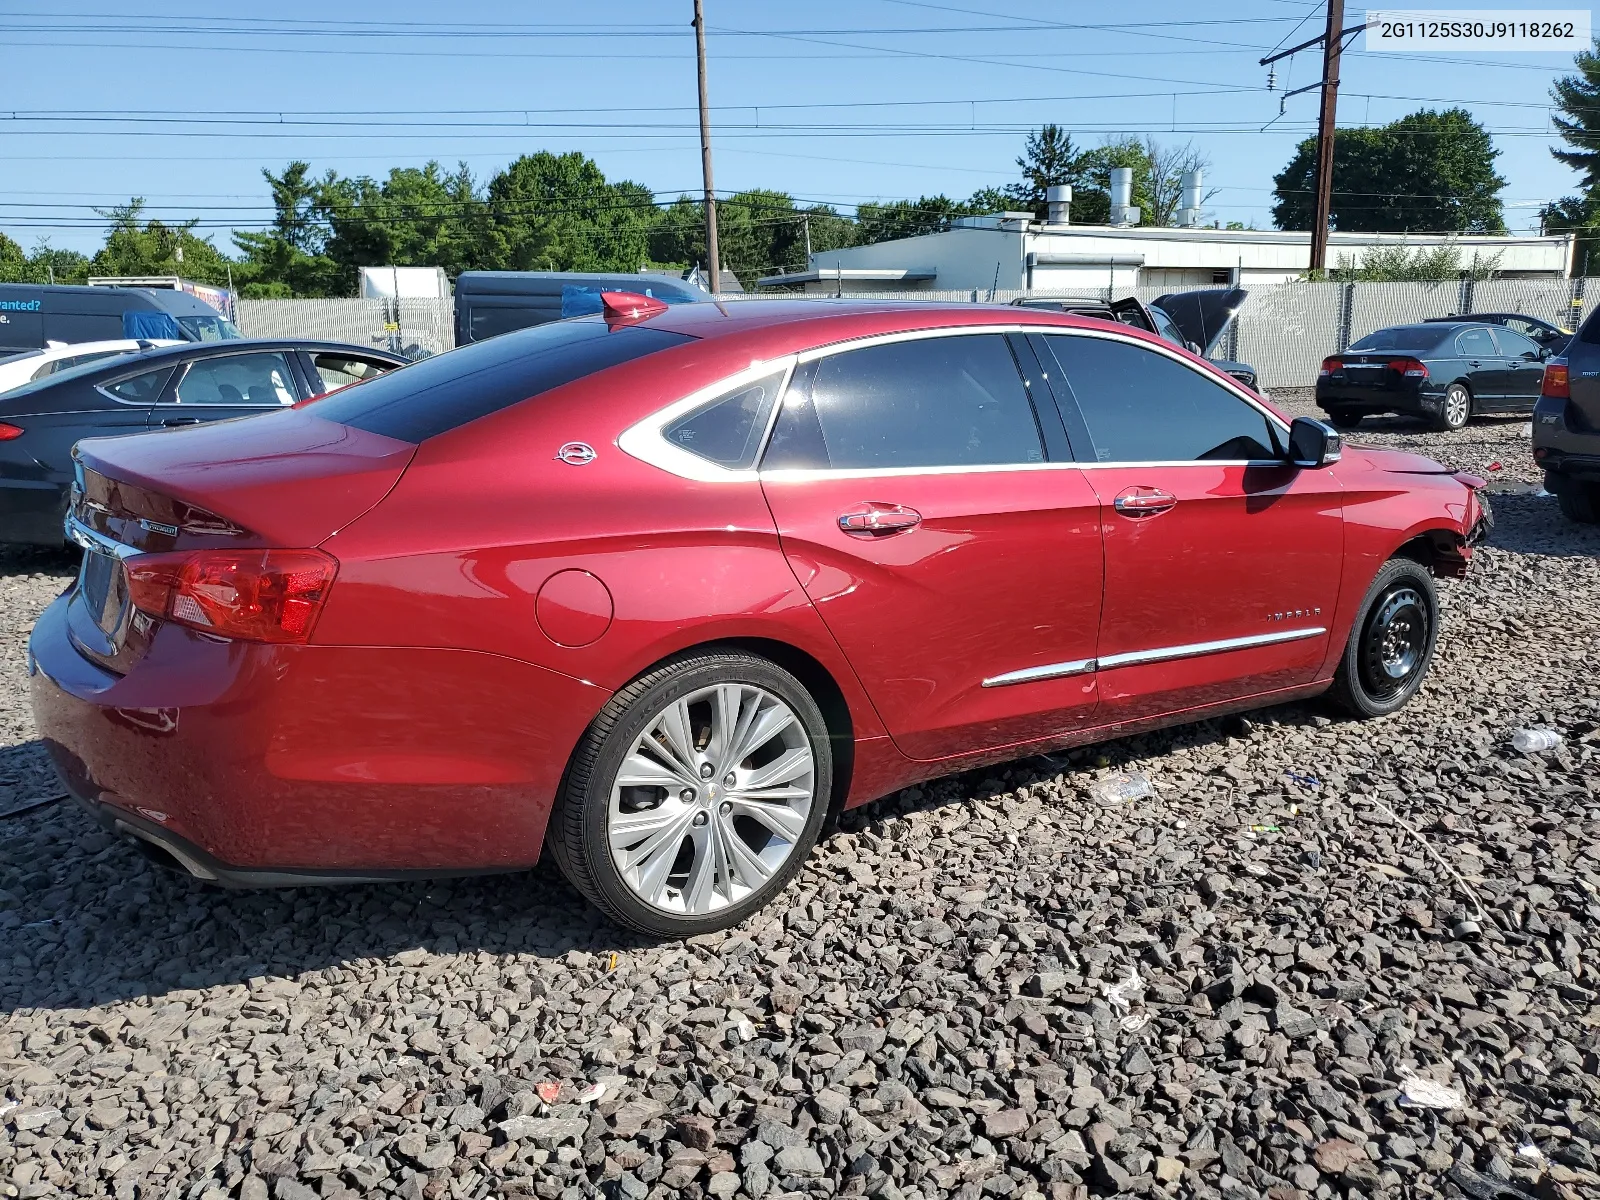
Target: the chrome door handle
pixel 1138 503
pixel 176 421
pixel 877 519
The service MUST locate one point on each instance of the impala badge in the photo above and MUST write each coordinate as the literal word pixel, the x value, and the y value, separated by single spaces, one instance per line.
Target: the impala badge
pixel 576 454
pixel 1293 614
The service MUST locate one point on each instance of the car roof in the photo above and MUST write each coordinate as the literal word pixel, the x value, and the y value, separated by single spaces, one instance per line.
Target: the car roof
pixel 825 320
pixel 1489 318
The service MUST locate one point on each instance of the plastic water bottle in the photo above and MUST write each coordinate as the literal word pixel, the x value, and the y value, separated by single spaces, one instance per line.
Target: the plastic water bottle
pixel 1535 741
pixel 1116 790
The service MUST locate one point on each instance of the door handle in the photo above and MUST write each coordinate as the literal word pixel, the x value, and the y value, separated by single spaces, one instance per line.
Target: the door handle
pixel 176 421
pixel 877 519
pixel 1474 363
pixel 1137 503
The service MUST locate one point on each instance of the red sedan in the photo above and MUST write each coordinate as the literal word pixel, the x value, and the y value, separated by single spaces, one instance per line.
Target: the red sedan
pixel 659 590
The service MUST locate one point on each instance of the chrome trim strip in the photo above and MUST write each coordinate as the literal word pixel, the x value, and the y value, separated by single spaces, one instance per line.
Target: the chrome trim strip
pixel 1082 666
pixel 89 539
pixel 1197 649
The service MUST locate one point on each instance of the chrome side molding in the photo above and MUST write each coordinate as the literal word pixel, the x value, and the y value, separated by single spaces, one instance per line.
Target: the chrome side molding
pixel 1084 666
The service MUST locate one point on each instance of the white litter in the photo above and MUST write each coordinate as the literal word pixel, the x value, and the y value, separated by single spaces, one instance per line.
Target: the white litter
pixel 1535 741
pixel 1417 1091
pixel 1134 1022
pixel 592 1093
pixel 1123 788
pixel 1529 1151
pixel 1527 430
pixel 1117 994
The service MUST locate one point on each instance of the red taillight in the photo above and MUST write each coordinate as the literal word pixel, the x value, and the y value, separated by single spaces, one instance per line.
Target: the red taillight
pixel 1411 368
pixel 250 595
pixel 1557 382
pixel 9 433
pixel 1330 366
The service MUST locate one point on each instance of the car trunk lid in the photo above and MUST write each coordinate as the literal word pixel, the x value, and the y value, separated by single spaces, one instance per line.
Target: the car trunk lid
pixel 284 480
pixel 1369 369
pixel 1202 316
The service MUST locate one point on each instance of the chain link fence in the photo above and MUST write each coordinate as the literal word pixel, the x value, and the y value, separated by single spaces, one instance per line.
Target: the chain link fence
pixel 1284 331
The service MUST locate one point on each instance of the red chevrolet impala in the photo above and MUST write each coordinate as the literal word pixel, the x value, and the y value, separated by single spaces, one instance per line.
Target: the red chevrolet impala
pixel 659 590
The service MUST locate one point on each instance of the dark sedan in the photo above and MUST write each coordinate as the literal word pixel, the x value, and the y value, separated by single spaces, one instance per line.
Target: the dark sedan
pixel 159 389
pixel 1444 372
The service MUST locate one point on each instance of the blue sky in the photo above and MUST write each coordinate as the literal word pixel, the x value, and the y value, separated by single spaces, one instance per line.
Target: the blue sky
pixel 889 98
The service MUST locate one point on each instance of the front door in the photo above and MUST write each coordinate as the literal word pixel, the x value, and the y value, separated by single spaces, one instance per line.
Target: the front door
pixel 220 386
pixel 1223 562
pixel 1524 368
pixel 951 547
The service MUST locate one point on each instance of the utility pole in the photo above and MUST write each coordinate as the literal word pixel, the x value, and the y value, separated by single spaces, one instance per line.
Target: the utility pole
pixel 1332 40
pixel 1332 44
pixel 705 148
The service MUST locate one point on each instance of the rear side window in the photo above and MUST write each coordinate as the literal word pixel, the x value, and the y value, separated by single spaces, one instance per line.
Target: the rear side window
pixel 140 389
pixel 728 430
pixel 1141 406
pixel 1476 343
pixel 440 393
pixel 928 402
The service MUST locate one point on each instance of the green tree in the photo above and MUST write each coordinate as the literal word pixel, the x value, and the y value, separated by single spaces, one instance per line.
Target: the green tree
pixel 288 260
pixel 882 222
pixel 156 248
pixel 1400 264
pixel 1049 158
pixel 1426 172
pixel 1577 100
pixel 557 212
pixel 13 262
pixel 61 266
pixel 415 217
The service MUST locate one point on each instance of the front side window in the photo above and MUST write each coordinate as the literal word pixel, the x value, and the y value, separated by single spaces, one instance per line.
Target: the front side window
pixel 1142 406
pixel 950 401
pixel 262 380
pixel 728 430
pixel 1514 345
pixel 340 370
pixel 1475 343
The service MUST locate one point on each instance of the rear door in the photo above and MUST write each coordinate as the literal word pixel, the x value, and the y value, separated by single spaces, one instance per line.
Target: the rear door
pixel 1222 561
pixel 1524 368
pixel 944 534
pixel 1486 368
pixel 220 386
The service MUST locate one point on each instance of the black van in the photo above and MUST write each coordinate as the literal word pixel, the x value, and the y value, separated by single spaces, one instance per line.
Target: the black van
pixel 34 315
pixel 495 302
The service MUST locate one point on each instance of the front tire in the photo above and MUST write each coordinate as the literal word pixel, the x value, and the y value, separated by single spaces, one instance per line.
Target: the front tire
pixel 1391 646
pixel 695 796
pixel 1456 410
pixel 1579 500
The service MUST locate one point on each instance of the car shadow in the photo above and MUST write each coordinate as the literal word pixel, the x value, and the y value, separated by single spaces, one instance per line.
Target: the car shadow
pixel 1530 523
pixel 88 920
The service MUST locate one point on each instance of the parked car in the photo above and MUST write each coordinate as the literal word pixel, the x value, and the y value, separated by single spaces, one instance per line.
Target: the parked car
pixel 1194 320
pixel 660 590
pixel 30 366
pixel 185 384
pixel 32 316
pixel 1566 425
pixel 1547 334
pixel 489 303
pixel 1445 372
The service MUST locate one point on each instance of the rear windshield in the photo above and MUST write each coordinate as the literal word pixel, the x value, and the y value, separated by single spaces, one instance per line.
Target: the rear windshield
pixel 1410 338
pixel 437 394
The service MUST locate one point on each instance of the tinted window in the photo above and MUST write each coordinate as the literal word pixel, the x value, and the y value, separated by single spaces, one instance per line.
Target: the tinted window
pixel 1527 328
pixel 1408 339
pixel 451 389
pixel 262 380
pixel 486 323
pixel 140 389
pixel 1475 343
pixel 728 430
pixel 1141 406
pixel 1514 345
pixel 928 402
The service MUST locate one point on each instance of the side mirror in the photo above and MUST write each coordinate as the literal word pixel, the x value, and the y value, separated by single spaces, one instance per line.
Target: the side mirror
pixel 1535 355
pixel 1313 443
pixel 1545 352
pixel 1194 348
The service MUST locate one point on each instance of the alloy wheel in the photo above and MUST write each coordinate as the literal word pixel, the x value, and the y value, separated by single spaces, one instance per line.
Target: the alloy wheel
pixel 1396 641
pixel 711 799
pixel 1457 407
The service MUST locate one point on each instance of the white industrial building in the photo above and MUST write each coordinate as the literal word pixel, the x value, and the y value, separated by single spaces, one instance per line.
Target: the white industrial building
pixel 1013 252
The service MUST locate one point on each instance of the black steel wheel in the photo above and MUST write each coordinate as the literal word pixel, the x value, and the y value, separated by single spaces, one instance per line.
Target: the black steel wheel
pixel 1579 500
pixel 1391 645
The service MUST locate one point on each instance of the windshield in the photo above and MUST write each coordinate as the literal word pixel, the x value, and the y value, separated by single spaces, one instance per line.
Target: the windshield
pixel 209 329
pixel 1412 339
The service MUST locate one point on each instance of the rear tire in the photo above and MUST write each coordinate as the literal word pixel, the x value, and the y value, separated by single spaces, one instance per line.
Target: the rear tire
pixel 1579 500
pixel 1391 646
pixel 731 774
pixel 1343 418
pixel 1456 410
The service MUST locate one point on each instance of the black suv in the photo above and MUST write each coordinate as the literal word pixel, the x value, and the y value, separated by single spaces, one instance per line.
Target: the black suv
pixel 1566 425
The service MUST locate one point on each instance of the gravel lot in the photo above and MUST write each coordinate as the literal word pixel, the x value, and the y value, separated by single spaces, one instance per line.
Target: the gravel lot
pixel 990 986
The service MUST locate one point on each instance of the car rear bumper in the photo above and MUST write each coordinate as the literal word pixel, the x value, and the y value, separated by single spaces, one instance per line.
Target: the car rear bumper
pixel 258 765
pixel 1416 402
pixel 32 511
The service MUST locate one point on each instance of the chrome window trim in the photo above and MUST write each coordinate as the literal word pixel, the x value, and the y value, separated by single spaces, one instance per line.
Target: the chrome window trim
pixel 1133 658
pixel 647 441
